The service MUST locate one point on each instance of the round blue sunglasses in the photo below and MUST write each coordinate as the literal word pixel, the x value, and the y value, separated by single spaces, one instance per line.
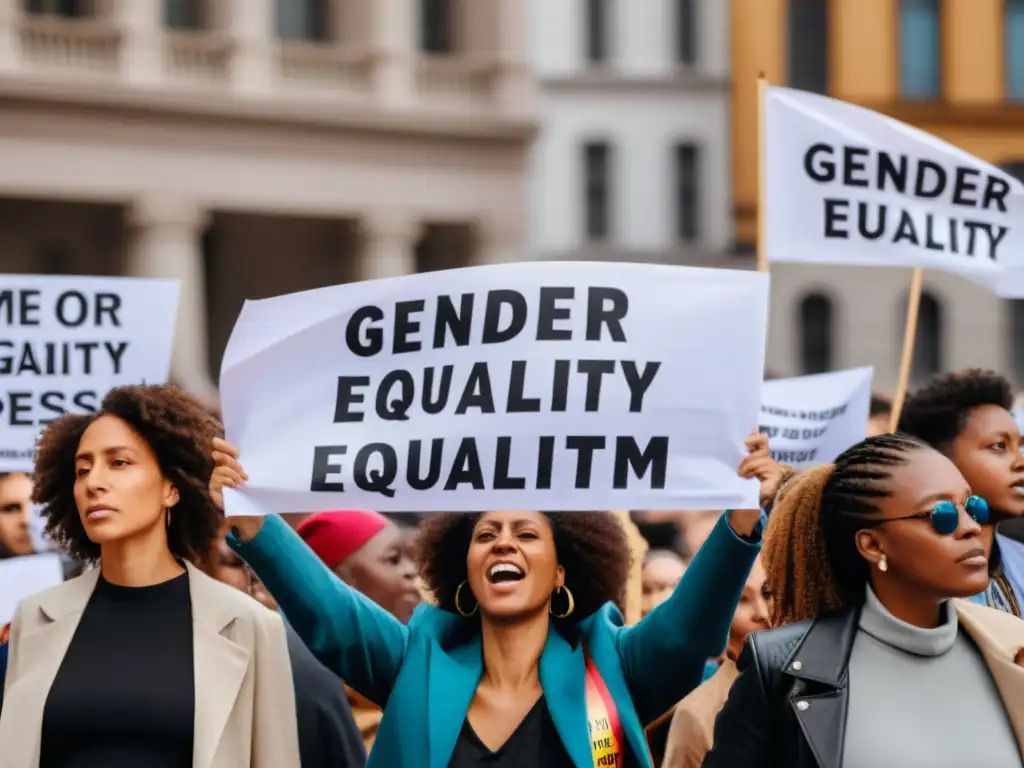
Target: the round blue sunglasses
pixel 945 516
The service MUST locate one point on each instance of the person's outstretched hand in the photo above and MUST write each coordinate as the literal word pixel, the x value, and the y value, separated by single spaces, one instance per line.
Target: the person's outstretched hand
pixel 760 464
pixel 229 473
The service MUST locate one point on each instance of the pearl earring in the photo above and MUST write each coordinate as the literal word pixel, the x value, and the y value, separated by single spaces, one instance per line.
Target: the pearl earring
pixel 883 564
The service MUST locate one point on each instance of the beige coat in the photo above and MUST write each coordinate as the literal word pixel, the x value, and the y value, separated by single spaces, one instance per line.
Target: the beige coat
pixel 245 699
pixel 999 636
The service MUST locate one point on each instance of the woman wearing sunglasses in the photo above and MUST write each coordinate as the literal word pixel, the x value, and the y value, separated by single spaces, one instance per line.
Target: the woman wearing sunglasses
pixel 874 659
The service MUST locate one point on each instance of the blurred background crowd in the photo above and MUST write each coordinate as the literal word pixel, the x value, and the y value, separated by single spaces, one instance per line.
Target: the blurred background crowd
pixel 255 147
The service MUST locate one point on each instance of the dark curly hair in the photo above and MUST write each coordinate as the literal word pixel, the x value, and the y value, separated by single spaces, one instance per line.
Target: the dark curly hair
pixel 591 546
pixel 178 429
pixel 938 412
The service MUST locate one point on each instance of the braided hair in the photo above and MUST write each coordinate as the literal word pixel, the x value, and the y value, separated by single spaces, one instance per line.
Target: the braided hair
pixel 810 553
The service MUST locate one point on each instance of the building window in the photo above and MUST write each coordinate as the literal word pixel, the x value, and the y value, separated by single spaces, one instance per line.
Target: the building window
pixel 307 20
pixel 1017 340
pixel 437 27
pixel 597 190
pixel 597 30
pixel 920 49
pixel 687 192
pixel 808 45
pixel 183 14
pixel 928 340
pixel 1013 48
pixel 816 333
pixel 686 32
pixel 70 9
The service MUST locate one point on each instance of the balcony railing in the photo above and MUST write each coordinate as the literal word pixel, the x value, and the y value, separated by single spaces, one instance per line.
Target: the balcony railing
pixel 455 82
pixel 197 58
pixel 54 47
pixel 81 46
pixel 343 70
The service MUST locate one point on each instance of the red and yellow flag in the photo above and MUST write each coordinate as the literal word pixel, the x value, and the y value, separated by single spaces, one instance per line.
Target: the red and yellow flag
pixel 603 721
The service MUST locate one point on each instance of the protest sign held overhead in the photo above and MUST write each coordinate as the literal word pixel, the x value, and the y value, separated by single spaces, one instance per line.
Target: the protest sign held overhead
pixel 846 185
pixel 558 386
pixel 66 341
pixel 812 419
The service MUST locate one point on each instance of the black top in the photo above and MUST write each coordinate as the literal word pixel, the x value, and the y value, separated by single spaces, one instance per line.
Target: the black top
pixel 535 744
pixel 328 734
pixel 124 696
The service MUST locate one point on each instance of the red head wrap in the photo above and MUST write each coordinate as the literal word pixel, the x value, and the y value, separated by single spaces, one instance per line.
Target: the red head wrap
pixel 335 536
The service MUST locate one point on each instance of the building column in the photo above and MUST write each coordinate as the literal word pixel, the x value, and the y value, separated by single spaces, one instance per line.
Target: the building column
pixel 141 23
pixel 252 24
pixel 165 241
pixel 863 50
pixel 10 41
pixel 389 240
pixel 515 87
pixel 972 52
pixel 393 25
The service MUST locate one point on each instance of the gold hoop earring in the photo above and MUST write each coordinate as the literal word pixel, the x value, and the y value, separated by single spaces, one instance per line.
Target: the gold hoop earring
pixel 569 610
pixel 458 594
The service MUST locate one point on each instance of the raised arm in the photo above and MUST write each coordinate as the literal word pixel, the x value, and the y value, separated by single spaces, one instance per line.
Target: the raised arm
pixel 663 655
pixel 350 634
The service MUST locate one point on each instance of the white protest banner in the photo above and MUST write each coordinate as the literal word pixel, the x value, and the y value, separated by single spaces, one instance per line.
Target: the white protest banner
pixel 812 419
pixel 846 185
pixel 544 385
pixel 66 341
pixel 21 577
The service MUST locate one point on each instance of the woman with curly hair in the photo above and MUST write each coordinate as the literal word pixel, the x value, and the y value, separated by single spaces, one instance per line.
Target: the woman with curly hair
pixel 143 661
pixel 875 658
pixel 524 660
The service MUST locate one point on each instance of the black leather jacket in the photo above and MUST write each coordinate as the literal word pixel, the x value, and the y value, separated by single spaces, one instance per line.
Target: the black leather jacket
pixel 787 708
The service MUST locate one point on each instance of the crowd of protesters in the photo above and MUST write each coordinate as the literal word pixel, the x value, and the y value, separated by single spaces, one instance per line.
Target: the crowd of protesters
pixel 868 614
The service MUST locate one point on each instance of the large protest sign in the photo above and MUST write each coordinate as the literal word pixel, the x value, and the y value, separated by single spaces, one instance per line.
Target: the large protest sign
pixel 21 577
pixel 812 419
pixel 846 185
pixel 558 386
pixel 65 341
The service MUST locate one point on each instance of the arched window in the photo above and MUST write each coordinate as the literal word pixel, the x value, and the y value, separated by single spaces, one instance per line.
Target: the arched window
pixel 928 340
pixel 816 333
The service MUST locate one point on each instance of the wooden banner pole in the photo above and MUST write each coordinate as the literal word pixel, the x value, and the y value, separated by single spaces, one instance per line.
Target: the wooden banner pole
pixel 909 336
pixel 762 214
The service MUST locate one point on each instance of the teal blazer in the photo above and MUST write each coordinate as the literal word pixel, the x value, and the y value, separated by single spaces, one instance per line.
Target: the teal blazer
pixel 424 674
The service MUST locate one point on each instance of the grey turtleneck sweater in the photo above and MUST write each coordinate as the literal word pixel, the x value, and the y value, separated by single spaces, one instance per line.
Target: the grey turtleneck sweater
pixel 922 698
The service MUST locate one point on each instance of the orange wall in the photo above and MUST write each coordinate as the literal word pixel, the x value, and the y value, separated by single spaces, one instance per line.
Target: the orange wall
pixel 864 68
pixel 862 57
pixel 758 45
